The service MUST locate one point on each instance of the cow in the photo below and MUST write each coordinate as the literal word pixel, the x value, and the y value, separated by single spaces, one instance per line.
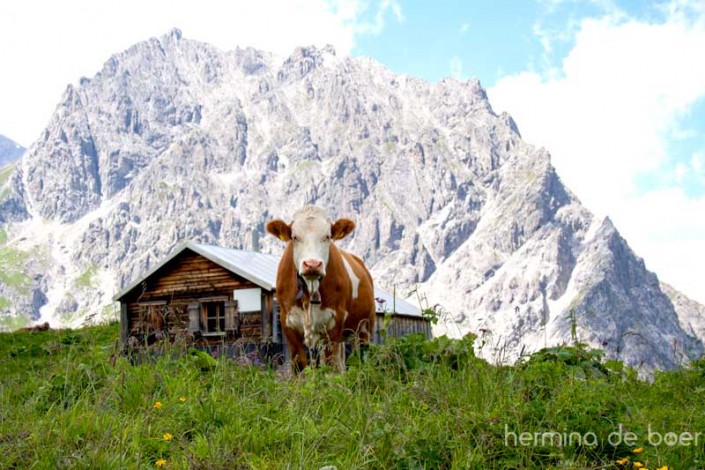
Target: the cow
pixel 324 293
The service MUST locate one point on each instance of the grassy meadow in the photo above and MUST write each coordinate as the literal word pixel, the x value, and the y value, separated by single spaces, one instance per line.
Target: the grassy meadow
pixel 67 400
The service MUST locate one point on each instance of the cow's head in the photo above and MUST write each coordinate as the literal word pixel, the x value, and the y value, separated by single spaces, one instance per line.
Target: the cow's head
pixel 311 232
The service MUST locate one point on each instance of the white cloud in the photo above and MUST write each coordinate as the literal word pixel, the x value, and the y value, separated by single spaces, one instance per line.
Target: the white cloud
pixel 46 45
pixel 375 27
pixel 396 9
pixel 667 228
pixel 608 117
pixel 464 28
pixel 681 172
pixel 549 36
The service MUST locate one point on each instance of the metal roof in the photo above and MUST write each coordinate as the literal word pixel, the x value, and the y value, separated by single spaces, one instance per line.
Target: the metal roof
pixel 261 269
pixel 397 304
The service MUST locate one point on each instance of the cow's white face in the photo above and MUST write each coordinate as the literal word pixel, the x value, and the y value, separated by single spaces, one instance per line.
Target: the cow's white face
pixel 311 233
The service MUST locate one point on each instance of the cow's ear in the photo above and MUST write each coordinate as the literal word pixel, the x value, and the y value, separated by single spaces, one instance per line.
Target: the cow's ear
pixel 341 228
pixel 279 229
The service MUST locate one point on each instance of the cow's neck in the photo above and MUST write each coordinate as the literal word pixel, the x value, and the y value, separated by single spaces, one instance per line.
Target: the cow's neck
pixel 312 288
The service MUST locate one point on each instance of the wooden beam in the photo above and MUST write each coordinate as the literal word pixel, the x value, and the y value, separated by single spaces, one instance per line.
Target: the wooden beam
pixel 266 318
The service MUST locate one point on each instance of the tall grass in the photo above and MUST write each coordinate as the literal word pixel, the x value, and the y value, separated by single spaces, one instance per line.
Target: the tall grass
pixel 67 400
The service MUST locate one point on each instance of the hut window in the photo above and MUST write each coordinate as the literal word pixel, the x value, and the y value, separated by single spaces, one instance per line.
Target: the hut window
pixel 213 315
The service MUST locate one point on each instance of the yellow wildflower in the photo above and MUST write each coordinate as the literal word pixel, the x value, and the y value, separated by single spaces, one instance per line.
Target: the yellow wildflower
pixel 638 465
pixel 160 463
pixel 168 436
pixel 158 405
pixel 182 399
pixel 665 467
pixel 638 450
pixel 623 461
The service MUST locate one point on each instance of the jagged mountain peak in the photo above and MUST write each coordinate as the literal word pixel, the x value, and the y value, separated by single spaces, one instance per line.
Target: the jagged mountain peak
pixel 174 34
pixel 175 139
pixel 303 53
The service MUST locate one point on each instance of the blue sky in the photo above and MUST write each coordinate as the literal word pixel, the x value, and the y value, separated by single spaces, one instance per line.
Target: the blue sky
pixel 614 89
pixel 491 38
pixel 490 41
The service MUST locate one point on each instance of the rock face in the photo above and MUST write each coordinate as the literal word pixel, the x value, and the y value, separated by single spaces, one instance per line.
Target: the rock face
pixel 691 314
pixel 174 139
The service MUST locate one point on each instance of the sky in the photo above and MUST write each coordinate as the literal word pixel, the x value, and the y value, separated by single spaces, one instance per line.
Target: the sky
pixel 613 89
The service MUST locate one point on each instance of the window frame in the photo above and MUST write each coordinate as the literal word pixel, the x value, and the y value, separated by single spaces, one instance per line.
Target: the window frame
pixel 220 315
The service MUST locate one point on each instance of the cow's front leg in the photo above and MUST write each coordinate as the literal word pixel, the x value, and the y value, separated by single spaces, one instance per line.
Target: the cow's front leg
pixel 297 350
pixel 335 348
pixel 337 356
pixel 334 355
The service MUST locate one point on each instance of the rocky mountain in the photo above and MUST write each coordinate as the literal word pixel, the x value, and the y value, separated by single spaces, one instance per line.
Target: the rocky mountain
pixel 9 151
pixel 691 314
pixel 174 139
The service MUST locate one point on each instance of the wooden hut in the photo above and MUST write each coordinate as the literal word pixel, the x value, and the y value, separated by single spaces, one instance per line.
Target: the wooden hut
pixel 220 297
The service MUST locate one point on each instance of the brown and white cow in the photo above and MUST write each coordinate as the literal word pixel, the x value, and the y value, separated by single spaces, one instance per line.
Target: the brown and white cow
pixel 324 293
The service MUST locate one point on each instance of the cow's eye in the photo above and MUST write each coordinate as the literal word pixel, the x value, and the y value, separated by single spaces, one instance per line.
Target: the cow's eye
pixel 326 238
pixel 295 238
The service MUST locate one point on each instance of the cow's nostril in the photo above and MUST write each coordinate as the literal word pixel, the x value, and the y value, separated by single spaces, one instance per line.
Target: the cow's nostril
pixel 313 264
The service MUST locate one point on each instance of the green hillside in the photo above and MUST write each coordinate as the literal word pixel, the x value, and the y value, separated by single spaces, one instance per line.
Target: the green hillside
pixel 68 401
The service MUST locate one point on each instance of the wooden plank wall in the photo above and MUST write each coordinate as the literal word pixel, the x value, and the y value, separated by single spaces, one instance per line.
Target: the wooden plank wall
pixel 400 326
pixel 190 275
pixel 186 279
